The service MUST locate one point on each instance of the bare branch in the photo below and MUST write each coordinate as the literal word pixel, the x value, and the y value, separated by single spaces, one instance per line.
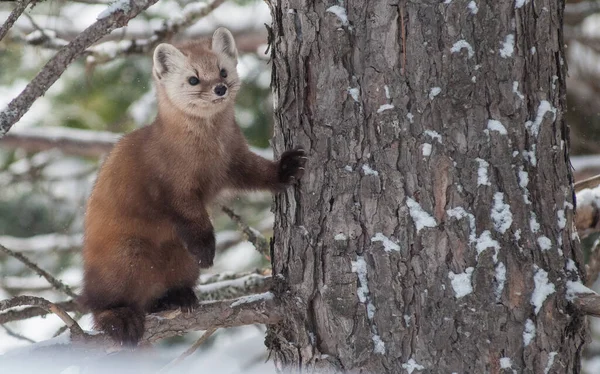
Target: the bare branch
pixel 39 302
pixel 207 334
pixel 248 310
pixel 75 142
pixel 52 280
pixel 14 15
pixel 254 236
pixel 63 58
pixel 588 303
pixel 587 183
pixel 34 311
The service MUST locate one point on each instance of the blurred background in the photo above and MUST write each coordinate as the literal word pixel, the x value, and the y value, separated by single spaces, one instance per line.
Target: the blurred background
pixel 49 160
pixel 43 190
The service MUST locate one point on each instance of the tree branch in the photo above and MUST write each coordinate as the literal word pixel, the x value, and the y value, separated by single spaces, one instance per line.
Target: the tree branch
pixel 14 15
pixel 75 142
pixel 107 21
pixel 39 302
pixel 254 236
pixel 57 284
pixel 30 312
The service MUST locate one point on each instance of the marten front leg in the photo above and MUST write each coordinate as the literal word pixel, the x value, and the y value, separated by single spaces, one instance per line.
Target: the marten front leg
pixel 250 171
pixel 198 235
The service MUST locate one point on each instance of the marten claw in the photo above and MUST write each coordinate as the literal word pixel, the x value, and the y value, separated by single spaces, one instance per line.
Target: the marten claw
pixel 291 166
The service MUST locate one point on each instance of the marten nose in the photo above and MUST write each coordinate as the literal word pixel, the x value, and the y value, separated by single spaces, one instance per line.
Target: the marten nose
pixel 220 90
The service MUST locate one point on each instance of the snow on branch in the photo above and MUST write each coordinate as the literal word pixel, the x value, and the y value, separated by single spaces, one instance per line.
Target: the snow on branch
pixel 57 284
pixel 14 15
pixel 54 68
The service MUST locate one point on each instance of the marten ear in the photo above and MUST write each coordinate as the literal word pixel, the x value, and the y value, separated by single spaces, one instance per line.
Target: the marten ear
pixel 223 42
pixel 167 58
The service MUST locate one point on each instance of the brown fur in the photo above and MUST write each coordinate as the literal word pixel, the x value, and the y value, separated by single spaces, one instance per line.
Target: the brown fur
pixel 147 230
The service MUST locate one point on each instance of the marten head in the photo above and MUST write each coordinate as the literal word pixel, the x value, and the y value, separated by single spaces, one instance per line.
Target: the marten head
pixel 199 78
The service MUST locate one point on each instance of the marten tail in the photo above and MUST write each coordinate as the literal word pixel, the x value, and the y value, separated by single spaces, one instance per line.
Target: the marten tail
pixel 124 324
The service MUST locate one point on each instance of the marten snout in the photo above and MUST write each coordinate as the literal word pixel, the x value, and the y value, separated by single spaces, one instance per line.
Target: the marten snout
pixel 220 90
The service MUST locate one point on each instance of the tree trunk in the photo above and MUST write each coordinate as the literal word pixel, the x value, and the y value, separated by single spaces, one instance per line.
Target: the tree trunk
pixel 432 231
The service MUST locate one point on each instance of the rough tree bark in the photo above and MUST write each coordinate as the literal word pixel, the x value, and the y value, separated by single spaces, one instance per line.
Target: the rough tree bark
pixel 433 229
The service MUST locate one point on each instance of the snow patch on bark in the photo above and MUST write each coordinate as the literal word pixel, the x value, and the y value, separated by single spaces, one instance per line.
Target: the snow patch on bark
pixel 426 149
pixel 388 245
pixel 473 7
pixel 551 356
pixel 360 268
pixel 385 107
pixel 461 282
pixel 485 241
pixel 354 93
pixel 420 217
pixel 434 92
pixel 411 365
pixel 505 363
pixel 482 173
pixel 340 237
pixel 529 332
pixel 462 44
pixel 544 242
pixel 500 277
pixel 494 125
pixel 501 214
pixel 516 90
pixel 368 171
pixel 434 135
pixel 543 289
pixel 340 12
pixel 508 46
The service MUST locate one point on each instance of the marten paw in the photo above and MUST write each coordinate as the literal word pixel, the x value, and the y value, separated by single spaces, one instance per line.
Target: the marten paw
pixel 204 250
pixel 183 298
pixel 291 166
pixel 125 324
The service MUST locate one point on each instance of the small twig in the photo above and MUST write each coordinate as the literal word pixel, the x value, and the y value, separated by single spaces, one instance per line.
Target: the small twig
pixel 254 236
pixel 64 328
pixel 18 336
pixel 587 183
pixel 75 329
pixel 14 15
pixel 52 280
pixel 207 334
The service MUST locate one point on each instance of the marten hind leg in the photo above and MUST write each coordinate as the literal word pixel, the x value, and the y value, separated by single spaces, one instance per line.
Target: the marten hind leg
pixel 182 297
pixel 124 324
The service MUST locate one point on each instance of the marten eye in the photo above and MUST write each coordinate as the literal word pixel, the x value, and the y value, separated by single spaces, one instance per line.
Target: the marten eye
pixel 223 73
pixel 193 81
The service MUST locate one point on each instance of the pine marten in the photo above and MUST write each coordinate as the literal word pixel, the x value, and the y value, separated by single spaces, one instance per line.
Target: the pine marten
pixel 147 230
